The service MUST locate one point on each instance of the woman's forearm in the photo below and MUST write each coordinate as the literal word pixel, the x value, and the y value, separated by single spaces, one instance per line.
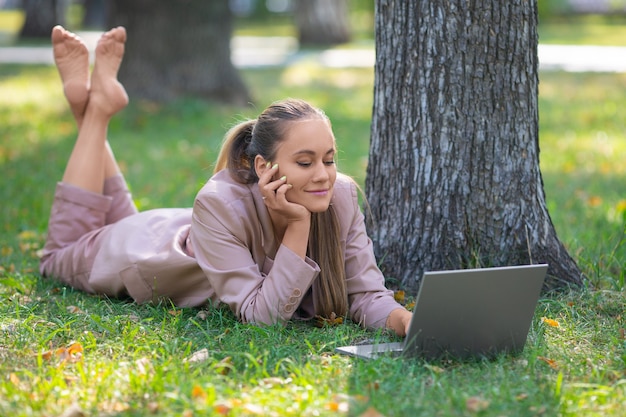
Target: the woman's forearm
pixel 296 236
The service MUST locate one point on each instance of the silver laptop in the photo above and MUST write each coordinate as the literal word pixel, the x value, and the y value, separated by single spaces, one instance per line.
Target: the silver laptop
pixel 467 313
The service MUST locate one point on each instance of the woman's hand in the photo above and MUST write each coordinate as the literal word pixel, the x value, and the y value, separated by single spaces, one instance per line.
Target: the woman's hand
pixel 274 195
pixel 399 321
pixel 292 222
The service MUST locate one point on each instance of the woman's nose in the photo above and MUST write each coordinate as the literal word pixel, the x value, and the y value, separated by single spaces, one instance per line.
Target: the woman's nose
pixel 321 172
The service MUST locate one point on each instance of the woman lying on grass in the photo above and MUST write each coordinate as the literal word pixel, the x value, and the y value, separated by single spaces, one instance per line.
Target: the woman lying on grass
pixel 275 234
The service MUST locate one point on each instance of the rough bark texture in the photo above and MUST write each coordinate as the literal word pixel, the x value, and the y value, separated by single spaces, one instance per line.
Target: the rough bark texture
pixel 453 179
pixel 178 48
pixel 322 22
pixel 42 16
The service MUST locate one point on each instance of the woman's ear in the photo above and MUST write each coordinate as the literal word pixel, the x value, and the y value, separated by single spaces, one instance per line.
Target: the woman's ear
pixel 260 165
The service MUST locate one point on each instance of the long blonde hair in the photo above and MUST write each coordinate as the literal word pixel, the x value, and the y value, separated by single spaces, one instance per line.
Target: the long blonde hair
pixel 262 136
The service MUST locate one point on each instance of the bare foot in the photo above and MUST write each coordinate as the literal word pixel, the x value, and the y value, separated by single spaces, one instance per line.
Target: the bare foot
pixel 106 90
pixel 72 59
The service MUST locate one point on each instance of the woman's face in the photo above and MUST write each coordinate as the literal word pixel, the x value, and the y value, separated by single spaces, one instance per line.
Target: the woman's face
pixel 306 157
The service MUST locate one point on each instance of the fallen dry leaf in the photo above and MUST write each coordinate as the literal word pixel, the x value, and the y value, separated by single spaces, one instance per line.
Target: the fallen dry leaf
pixel 224 366
pixel 338 407
pixel 333 320
pixel 399 296
pixel 551 362
pixel 27 234
pixel 594 201
pixel 5 251
pixel 435 369
pixel 198 356
pixel 202 315
pixel 197 392
pixel 373 386
pixel 143 366
pixel 522 362
pixel 115 406
pixel 550 322
pixel 20 299
pixel 371 412
pixel 222 409
pixel 476 404
pixel 72 353
pixel 75 348
pixel 15 380
pixel 70 379
pixel 274 381
pixel 74 310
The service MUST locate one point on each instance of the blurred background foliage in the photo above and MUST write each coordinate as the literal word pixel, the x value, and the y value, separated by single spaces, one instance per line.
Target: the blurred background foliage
pixel 276 17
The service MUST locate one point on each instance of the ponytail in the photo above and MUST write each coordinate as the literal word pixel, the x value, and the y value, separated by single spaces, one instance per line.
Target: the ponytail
pixel 234 153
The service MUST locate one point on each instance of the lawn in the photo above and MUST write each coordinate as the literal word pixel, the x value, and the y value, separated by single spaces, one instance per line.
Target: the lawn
pixel 61 348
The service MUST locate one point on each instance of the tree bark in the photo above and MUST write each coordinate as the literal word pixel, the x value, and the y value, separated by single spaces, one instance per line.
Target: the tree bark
pixel 322 22
pixel 42 16
pixel 453 179
pixel 95 14
pixel 178 48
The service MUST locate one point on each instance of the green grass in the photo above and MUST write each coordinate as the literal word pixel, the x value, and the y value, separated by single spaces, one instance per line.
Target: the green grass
pixel 583 146
pixel 133 359
pixel 584 30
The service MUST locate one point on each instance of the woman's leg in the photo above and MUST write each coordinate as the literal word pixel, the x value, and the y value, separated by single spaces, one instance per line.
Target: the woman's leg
pixel 80 209
pixel 90 156
pixel 72 60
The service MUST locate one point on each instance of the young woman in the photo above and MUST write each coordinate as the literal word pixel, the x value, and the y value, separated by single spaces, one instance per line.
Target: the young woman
pixel 276 233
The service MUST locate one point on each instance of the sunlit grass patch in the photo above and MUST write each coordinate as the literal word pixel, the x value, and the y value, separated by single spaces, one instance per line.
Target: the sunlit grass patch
pixel 582 122
pixel 582 138
pixel 587 352
pixel 584 30
pixel 25 122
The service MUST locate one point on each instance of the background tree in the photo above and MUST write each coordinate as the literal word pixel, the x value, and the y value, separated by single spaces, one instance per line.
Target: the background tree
pixel 453 178
pixel 95 14
pixel 322 22
pixel 178 48
pixel 41 16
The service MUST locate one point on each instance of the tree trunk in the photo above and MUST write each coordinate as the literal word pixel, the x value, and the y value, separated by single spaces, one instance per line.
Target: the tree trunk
pixel 322 22
pixel 178 48
pixel 42 16
pixel 95 14
pixel 453 179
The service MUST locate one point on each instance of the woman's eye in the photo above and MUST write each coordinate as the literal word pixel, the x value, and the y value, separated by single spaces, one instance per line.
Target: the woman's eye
pixel 308 164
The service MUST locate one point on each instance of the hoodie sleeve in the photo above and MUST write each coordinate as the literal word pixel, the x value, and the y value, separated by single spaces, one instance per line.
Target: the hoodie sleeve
pixel 225 234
